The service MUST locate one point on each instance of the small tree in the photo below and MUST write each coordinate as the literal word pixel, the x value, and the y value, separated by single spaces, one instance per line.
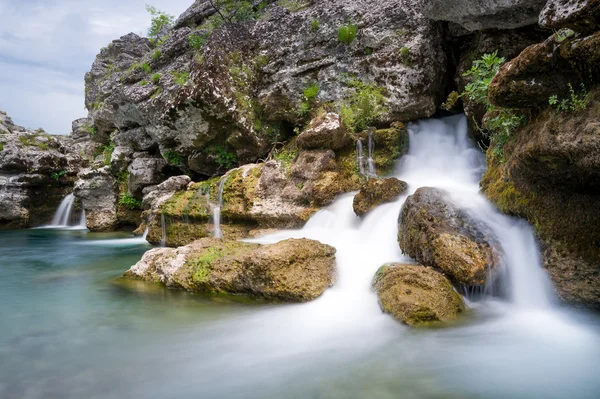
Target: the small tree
pixel 233 10
pixel 160 20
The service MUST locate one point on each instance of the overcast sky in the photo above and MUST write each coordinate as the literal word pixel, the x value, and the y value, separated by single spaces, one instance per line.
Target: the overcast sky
pixel 47 46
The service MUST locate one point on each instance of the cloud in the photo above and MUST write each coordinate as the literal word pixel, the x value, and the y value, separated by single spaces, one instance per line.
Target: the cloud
pixel 47 46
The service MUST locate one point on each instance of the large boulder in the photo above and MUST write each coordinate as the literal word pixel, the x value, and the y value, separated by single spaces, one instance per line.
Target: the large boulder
pixel 98 192
pixel 436 232
pixel 417 295
pixel 291 270
pixel 376 192
pixel 547 69
pixel 474 15
pixel 326 132
pixel 551 176
pixel 580 15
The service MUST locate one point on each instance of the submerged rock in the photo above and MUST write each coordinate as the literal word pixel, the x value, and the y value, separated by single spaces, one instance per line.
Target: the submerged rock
pixel 436 232
pixel 291 270
pixel 417 295
pixel 376 192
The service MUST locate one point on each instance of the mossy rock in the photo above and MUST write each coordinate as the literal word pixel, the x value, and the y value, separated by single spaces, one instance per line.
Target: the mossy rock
pixel 376 192
pixel 291 270
pixel 417 295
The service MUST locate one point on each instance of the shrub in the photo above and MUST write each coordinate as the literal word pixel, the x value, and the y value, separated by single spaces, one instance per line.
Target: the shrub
pixel 144 83
pixel 405 55
pixel 577 101
pixel 224 158
pixel 146 67
pixel 347 33
pixel 501 123
pixel 198 40
pixel 107 152
pixel 310 94
pixel 173 158
pixel 156 55
pixel 180 78
pixel 129 201
pixel 156 78
pixel 57 175
pixel 364 106
pixel 159 21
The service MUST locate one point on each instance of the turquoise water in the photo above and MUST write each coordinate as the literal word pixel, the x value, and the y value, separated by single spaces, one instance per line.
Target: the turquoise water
pixel 71 328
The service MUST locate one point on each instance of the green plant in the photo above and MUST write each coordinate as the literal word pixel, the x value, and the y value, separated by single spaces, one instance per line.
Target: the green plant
pixel 159 21
pixel 224 158
pixel 129 201
pixel 1 147
pixel 180 77
pixel 260 61
pixel 577 101
pixel 366 104
pixel 156 55
pixel 286 156
pixel 146 67
pixel 315 25
pixel 310 94
pixel 501 123
pixel 293 5
pixel 198 40
pixel 405 55
pixel 156 92
pixel 57 175
pixel 144 83
pixel 300 185
pixel 234 10
pixel 173 158
pixel 563 34
pixel 347 33
pixel 106 151
pixel 156 78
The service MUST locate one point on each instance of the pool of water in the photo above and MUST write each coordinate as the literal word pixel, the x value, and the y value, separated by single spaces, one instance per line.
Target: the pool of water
pixel 72 328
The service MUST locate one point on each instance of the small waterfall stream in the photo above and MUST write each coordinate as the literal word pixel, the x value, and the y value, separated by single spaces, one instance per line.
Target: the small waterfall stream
pixel 65 218
pixel 366 167
pixel 217 233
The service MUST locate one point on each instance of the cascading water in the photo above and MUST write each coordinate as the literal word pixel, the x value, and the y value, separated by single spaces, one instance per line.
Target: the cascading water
pixel 64 217
pixel 217 233
pixel 372 172
pixel 366 167
pixel 163 227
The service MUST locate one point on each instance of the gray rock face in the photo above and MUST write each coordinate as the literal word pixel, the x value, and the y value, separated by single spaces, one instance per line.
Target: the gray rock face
pixel 436 232
pixel 144 172
pixel 97 191
pixel 36 171
pixel 475 15
pixel 155 196
pixel 326 132
pixel 580 15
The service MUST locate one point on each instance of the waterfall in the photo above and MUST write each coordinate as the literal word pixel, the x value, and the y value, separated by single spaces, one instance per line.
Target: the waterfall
pixel 163 226
pixel 366 167
pixel 217 233
pixel 64 217
pixel 63 213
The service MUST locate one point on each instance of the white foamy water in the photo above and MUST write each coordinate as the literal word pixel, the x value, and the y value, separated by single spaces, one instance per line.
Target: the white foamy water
pixel 64 217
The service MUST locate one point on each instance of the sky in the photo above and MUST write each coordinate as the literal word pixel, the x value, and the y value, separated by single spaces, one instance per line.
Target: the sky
pixel 47 46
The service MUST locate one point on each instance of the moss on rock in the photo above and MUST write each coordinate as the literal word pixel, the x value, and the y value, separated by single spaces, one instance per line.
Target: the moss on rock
pixel 417 295
pixel 376 192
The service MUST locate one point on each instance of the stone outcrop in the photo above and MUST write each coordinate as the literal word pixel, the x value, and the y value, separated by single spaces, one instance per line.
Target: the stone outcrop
pixel 436 232
pixel 546 69
pixel 376 192
pixel 552 178
pixel 475 15
pixel 580 15
pixel 97 190
pixel 326 132
pixel 36 171
pixel 291 270
pixel 417 295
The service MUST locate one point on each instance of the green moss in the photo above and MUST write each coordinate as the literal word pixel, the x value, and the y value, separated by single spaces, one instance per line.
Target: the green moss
pixel 293 5
pixel 347 33
pixel 156 55
pixel 146 67
pixel 180 77
pixel 365 105
pixel 156 78
pixel 1 147
pixel 287 155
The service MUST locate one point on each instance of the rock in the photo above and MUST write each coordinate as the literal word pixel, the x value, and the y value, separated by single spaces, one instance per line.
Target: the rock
pixel 546 69
pixel 97 190
pixel 155 196
pixel 551 177
pixel 475 15
pixel 291 270
pixel 326 132
pixel 417 295
pixel 36 171
pixel 436 232
pixel 376 192
pixel 144 172
pixel 120 159
pixel 579 15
